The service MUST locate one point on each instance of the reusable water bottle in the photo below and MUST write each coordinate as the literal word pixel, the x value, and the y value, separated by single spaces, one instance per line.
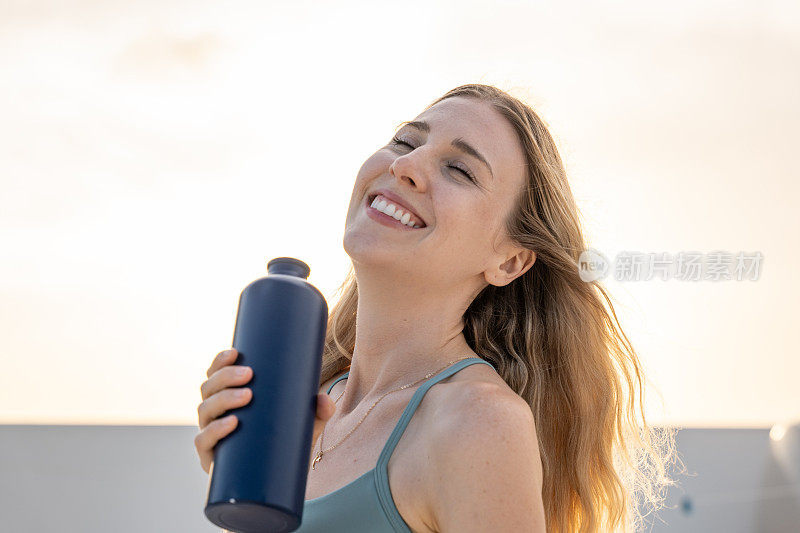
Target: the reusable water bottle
pixel 258 478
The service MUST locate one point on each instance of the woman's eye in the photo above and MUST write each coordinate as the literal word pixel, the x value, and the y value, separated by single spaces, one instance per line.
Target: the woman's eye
pixel 395 140
pixel 467 174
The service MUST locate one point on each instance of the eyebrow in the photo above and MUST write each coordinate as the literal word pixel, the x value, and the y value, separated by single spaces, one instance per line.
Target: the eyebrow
pixel 458 142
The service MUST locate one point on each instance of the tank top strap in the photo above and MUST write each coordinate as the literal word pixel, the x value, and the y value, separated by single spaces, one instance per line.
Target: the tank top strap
pixel 340 378
pixel 381 469
pixel 405 418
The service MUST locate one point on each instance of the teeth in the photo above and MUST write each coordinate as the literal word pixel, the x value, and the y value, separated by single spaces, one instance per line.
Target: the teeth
pixel 393 211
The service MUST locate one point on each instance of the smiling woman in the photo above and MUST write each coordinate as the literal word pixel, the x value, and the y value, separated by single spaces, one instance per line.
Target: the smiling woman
pixel 493 273
pixel 465 292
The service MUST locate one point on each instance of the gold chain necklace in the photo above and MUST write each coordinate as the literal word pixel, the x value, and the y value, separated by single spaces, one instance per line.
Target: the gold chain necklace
pixel 318 458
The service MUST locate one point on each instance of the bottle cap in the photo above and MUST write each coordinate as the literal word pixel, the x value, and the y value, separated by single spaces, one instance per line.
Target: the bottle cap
pixel 288 266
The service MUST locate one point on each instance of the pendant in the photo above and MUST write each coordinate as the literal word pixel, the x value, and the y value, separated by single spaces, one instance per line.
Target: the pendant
pixel 316 460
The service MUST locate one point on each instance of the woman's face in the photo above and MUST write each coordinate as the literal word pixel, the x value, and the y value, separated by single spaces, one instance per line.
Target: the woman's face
pixel 462 197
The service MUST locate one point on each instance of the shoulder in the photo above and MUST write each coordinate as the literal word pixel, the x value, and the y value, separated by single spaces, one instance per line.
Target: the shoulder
pixel 474 413
pixel 474 393
pixel 484 448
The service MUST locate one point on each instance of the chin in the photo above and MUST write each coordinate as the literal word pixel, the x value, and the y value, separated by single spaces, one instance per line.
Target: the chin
pixel 369 250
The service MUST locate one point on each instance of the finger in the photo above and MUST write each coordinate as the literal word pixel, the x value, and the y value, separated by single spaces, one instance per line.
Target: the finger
pixel 325 407
pixel 206 439
pixel 223 358
pixel 225 400
pixel 225 377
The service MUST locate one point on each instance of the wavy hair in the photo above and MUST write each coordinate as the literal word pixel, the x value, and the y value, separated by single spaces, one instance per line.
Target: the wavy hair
pixel 556 341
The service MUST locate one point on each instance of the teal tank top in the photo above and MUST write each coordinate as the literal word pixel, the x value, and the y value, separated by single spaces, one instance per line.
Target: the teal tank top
pixel 366 504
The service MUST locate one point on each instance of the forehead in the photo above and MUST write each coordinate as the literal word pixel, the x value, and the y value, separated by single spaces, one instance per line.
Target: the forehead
pixel 483 127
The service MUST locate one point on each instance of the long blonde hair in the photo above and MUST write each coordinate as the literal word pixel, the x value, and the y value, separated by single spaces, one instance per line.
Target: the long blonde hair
pixel 556 341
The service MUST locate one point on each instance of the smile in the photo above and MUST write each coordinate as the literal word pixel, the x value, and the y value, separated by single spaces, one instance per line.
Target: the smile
pixel 385 219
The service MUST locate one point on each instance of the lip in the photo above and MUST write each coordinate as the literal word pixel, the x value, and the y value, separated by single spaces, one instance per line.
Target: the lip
pixel 399 202
pixel 382 218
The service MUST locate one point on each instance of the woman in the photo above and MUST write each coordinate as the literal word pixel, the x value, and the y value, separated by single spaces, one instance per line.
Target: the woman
pixel 475 289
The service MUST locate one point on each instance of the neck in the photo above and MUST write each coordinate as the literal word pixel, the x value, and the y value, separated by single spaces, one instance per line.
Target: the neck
pixel 403 332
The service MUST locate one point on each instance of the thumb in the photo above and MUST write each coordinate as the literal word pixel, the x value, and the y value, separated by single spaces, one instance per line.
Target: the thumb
pixel 328 407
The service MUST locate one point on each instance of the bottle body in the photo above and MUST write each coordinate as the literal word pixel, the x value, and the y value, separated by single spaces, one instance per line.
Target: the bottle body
pixel 258 477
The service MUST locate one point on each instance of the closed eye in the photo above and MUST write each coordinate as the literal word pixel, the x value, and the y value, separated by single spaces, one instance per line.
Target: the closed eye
pixel 397 141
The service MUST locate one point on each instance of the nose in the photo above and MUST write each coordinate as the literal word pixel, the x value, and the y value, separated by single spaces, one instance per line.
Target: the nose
pixel 410 170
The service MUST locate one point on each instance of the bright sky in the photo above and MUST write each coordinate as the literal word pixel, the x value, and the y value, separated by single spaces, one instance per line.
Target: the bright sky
pixel 155 155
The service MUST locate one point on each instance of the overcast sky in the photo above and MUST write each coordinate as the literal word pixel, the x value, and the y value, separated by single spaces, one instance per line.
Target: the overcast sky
pixel 155 155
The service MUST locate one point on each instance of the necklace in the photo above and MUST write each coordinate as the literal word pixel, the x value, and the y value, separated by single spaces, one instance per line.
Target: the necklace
pixel 318 458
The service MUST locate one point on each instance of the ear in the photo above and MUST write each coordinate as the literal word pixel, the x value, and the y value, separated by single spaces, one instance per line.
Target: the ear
pixel 512 268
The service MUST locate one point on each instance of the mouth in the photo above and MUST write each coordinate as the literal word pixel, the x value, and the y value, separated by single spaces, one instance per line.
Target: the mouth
pixel 387 220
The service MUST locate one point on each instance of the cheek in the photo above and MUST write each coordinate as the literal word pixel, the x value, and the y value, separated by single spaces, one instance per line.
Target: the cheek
pixel 377 164
pixel 474 229
pixel 465 222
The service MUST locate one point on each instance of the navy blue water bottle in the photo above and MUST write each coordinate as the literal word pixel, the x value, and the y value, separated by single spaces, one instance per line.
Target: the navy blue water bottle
pixel 257 481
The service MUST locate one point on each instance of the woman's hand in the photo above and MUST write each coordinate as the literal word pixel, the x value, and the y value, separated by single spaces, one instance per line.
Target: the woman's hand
pixel 223 391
